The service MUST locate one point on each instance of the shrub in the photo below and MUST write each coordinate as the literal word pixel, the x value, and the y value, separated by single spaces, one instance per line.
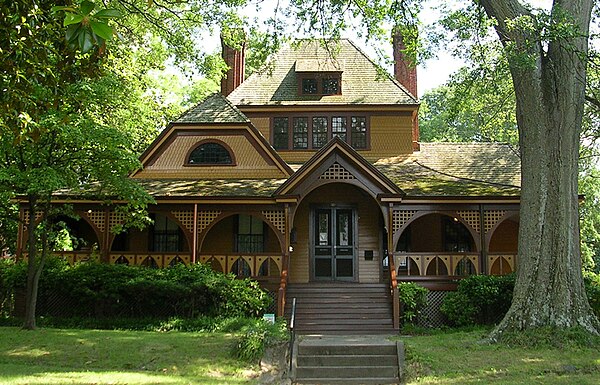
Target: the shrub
pixel 592 288
pixel 413 299
pixel 479 299
pixel 255 337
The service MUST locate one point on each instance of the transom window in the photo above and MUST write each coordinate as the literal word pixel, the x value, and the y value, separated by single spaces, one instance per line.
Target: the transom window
pixel 210 153
pixel 313 132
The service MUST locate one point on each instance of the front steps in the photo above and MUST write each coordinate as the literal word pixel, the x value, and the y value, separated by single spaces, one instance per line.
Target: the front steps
pixel 341 308
pixel 347 360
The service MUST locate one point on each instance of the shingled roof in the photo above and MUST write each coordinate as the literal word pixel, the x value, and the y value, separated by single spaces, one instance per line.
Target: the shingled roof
pixel 362 82
pixel 456 170
pixel 214 109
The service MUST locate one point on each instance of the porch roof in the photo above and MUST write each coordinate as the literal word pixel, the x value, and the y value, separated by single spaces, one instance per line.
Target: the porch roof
pixel 260 188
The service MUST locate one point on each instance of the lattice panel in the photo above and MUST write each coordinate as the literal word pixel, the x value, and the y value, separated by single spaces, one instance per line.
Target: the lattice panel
pixel 116 218
pixel 338 172
pixel 277 218
pixel 38 215
pixel 97 218
pixel 472 218
pixel 400 217
pixel 205 218
pixel 491 218
pixel 186 217
pixel 431 316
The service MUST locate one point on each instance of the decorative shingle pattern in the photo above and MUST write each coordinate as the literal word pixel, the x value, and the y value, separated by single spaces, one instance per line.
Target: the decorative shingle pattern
pixel 214 109
pixel 362 82
pixel 456 169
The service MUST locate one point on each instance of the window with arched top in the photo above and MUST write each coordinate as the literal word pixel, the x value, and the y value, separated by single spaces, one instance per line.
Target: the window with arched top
pixel 210 153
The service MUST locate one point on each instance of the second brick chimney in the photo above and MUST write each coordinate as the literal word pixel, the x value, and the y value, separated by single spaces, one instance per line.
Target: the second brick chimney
pixel 405 71
pixel 233 43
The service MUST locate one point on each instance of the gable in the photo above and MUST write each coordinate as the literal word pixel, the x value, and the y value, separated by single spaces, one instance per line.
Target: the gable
pixel 338 162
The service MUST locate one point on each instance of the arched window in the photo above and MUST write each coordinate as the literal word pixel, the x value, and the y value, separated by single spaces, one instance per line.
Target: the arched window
pixel 210 153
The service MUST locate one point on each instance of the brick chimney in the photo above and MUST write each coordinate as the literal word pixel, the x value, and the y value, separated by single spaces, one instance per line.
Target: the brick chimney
pixel 233 43
pixel 405 71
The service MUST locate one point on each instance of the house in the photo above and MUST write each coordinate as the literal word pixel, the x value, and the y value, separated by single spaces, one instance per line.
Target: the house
pixel 311 172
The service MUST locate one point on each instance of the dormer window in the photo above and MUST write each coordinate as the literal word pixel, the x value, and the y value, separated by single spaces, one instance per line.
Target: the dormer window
pixel 210 153
pixel 319 76
pixel 320 83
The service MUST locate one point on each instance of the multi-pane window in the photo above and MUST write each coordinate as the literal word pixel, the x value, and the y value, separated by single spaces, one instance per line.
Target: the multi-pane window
pixel 210 153
pixel 331 86
pixel 300 133
pixel 280 133
pixel 166 235
pixel 338 127
pixel 456 236
pixel 250 234
pixel 359 132
pixel 313 132
pixel 309 86
pixel 319 131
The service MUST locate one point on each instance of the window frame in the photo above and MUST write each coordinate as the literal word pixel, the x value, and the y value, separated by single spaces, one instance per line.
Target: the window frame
pixel 210 141
pixel 310 116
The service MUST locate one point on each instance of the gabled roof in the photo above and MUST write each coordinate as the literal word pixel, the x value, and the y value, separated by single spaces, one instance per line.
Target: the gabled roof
pixel 362 82
pixel 214 109
pixel 337 148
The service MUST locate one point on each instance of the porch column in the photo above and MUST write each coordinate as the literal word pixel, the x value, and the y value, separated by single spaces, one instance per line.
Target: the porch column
pixel 483 252
pixel 392 267
pixel 195 234
pixel 281 294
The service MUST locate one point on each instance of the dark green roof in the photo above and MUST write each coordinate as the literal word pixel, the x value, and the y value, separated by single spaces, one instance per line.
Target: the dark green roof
pixel 362 83
pixel 210 188
pixel 214 109
pixel 456 169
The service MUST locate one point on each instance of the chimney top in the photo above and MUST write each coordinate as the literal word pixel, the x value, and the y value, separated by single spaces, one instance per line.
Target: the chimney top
pixel 405 68
pixel 233 43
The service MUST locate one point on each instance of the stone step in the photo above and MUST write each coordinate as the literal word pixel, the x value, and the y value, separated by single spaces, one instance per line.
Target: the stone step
pixel 357 349
pixel 350 372
pixel 349 381
pixel 347 360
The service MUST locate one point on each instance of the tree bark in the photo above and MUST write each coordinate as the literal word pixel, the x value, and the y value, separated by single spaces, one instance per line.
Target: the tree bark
pixel 34 267
pixel 549 81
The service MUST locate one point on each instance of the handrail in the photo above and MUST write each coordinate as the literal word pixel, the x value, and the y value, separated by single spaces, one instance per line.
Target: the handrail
pixel 394 292
pixel 292 331
pixel 281 294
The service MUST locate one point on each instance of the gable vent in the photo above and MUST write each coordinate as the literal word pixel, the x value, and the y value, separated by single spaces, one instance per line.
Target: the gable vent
pixel 337 172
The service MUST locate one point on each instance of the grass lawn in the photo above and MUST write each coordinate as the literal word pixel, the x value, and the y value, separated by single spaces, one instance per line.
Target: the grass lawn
pixel 460 358
pixel 59 356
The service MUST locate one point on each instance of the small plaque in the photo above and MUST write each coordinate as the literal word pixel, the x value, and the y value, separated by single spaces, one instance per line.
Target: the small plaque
pixel 368 255
pixel 269 317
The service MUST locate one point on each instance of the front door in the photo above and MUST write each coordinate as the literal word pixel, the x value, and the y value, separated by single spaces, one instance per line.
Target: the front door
pixel 333 244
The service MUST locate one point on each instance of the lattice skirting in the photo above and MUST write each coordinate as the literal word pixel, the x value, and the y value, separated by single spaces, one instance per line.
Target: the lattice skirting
pixel 432 317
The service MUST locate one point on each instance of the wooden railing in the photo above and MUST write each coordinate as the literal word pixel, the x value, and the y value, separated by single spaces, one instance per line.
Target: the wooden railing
pixel 150 259
pixel 452 264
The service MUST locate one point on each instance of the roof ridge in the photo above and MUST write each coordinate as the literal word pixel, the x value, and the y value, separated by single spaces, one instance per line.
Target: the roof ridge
pixel 203 104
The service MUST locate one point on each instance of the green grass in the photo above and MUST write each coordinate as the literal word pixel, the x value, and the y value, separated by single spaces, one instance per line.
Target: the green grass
pixel 63 356
pixel 461 358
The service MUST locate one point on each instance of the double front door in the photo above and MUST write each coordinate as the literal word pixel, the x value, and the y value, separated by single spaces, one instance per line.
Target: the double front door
pixel 333 243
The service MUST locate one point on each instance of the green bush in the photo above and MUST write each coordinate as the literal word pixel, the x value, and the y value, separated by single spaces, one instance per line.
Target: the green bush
pixel 479 299
pixel 255 337
pixel 413 299
pixel 592 288
pixel 102 290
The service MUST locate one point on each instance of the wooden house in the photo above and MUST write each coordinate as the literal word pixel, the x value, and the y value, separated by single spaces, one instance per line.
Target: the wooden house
pixel 310 174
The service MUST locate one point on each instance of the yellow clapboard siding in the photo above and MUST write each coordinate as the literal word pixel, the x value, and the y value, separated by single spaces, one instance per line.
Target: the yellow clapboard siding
pixel 390 136
pixel 263 125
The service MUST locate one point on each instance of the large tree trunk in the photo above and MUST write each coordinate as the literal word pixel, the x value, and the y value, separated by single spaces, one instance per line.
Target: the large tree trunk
pixel 549 82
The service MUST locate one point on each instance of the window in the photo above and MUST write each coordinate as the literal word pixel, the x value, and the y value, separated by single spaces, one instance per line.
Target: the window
pixel 456 236
pixel 320 83
pixel 331 86
pixel 210 153
pixel 309 86
pixel 250 234
pixel 166 235
pixel 359 132
pixel 280 133
pixel 338 127
pixel 319 131
pixel 313 132
pixel 300 134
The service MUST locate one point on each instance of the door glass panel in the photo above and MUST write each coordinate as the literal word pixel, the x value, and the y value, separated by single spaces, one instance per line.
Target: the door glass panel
pixel 344 268
pixel 344 228
pixel 323 267
pixel 323 235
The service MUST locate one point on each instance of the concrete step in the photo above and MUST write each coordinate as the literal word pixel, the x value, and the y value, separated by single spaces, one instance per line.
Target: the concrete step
pixel 350 372
pixel 347 360
pixel 349 381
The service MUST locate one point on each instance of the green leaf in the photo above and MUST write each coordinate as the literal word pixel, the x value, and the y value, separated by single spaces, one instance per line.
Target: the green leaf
pixel 101 29
pixel 72 18
pixel 85 40
pixel 72 33
pixel 87 7
pixel 109 13
pixel 63 8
